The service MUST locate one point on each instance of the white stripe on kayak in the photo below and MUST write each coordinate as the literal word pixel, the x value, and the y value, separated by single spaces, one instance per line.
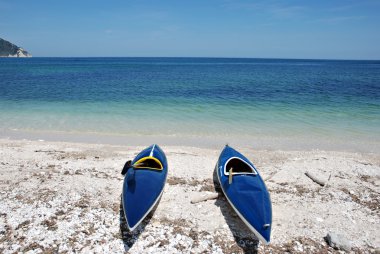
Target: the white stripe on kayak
pixel 147 212
pixel 258 235
pixel 151 151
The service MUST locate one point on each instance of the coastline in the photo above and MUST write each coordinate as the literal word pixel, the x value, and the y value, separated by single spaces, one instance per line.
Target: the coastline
pixel 302 142
pixel 62 196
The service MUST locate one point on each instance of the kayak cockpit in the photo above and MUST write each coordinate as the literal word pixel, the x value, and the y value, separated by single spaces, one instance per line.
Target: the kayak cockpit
pixel 238 167
pixel 148 162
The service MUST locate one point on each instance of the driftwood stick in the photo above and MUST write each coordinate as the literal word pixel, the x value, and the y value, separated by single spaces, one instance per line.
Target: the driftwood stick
pixel 273 174
pixel 48 151
pixel 328 180
pixel 315 178
pixel 206 197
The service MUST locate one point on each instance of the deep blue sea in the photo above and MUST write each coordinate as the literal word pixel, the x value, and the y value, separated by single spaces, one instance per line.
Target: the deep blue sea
pixel 263 103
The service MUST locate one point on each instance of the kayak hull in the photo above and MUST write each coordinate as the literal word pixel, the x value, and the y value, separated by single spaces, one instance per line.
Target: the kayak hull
pixel 247 194
pixel 143 187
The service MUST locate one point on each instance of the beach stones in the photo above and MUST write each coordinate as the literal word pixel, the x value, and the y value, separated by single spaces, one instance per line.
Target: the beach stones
pixel 338 241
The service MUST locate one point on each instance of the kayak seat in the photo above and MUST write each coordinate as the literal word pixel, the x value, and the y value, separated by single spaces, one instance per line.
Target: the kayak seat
pixel 238 167
pixel 148 162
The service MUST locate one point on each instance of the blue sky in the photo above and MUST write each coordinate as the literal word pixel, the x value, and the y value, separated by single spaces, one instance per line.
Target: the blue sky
pixel 196 28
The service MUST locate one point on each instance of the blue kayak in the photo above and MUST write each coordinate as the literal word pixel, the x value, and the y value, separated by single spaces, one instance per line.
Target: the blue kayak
pixel 245 190
pixel 144 181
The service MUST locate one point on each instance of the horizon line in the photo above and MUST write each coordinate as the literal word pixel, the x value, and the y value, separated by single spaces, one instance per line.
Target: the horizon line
pixel 214 57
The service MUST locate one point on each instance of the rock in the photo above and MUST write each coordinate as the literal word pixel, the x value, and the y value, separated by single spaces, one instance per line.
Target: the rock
pixel 298 246
pixel 319 219
pixel 8 49
pixel 338 241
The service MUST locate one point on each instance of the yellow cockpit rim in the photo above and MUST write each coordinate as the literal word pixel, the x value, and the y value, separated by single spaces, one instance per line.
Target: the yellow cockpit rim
pixel 148 162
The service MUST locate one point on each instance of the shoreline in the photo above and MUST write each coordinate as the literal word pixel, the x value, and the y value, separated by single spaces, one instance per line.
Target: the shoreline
pixel 270 143
pixel 60 196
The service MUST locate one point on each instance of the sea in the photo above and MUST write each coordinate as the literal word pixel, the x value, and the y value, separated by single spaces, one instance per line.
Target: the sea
pixel 275 104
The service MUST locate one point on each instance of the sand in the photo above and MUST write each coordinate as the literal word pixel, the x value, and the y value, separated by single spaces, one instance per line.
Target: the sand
pixel 65 197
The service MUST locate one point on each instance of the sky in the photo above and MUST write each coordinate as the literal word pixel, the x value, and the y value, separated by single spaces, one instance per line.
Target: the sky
pixel 323 29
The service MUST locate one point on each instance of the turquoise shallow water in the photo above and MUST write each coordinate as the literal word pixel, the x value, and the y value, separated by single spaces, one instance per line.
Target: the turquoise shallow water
pixel 268 103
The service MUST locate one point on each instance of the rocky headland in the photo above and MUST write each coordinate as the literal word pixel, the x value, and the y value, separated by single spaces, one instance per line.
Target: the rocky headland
pixel 8 49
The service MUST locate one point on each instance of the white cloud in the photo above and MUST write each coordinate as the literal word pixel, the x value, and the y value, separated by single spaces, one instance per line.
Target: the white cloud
pixel 339 19
pixel 274 8
pixel 287 11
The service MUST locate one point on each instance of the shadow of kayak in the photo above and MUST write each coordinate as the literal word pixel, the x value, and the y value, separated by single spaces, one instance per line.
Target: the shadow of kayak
pixel 130 237
pixel 244 238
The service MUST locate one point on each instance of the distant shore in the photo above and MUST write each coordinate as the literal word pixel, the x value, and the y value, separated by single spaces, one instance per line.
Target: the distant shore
pixel 61 196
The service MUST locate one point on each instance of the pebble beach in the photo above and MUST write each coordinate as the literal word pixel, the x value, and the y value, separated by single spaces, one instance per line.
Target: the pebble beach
pixel 58 197
pixel 293 86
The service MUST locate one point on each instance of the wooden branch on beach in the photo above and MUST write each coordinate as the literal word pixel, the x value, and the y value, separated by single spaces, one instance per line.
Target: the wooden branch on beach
pixel 273 174
pixel 48 151
pixel 204 198
pixel 328 180
pixel 315 178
